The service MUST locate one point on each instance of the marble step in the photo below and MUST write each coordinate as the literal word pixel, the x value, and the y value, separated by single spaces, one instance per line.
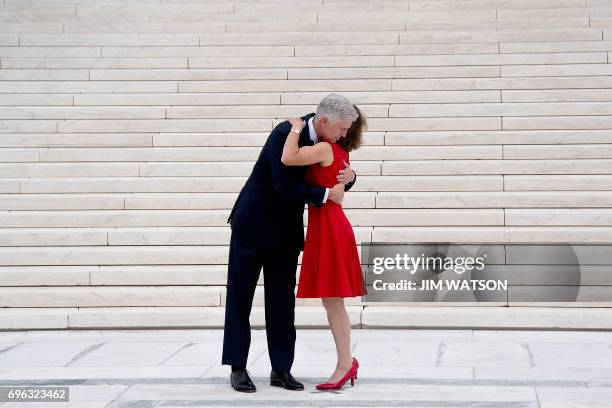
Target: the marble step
pixel 312 316
pixel 369 203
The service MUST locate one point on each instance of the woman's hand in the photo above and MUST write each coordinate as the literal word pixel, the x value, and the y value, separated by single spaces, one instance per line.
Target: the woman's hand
pixel 297 123
pixel 294 155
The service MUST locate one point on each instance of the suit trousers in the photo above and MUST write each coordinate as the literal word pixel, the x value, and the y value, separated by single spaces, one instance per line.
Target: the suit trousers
pixel 246 259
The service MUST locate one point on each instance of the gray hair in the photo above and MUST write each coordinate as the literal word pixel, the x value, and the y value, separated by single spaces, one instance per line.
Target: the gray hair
pixel 336 107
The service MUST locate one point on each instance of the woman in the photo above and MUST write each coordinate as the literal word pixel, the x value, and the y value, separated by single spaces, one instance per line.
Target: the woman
pixel 330 263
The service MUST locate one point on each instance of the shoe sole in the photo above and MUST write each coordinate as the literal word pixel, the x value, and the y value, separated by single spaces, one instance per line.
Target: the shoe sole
pixel 280 384
pixel 243 390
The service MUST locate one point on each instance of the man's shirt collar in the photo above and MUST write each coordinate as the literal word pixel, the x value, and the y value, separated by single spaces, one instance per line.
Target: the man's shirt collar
pixel 311 131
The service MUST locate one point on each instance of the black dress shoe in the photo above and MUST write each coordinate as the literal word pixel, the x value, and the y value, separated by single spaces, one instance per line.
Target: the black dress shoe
pixel 285 379
pixel 241 381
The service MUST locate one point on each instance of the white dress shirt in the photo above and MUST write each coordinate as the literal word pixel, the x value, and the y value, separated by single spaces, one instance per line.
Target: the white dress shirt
pixel 315 139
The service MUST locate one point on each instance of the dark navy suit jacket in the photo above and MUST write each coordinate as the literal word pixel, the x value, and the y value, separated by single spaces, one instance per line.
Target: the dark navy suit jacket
pixel 269 210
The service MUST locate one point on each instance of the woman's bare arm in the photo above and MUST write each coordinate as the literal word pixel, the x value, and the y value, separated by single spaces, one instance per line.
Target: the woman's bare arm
pixel 293 155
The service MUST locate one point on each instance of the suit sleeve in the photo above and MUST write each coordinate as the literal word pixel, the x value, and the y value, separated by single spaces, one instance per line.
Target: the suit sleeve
pixel 285 182
pixel 348 186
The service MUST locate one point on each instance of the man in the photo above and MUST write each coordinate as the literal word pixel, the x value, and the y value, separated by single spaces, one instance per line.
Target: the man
pixel 268 231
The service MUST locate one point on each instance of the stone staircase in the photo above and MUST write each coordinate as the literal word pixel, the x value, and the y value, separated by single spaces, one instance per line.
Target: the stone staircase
pixel 127 128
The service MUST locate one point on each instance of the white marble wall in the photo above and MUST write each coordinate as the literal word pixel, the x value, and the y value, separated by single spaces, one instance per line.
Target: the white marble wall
pixel 127 128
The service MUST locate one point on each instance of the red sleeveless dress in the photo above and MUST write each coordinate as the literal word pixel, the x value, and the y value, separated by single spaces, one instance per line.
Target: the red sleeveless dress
pixel 330 262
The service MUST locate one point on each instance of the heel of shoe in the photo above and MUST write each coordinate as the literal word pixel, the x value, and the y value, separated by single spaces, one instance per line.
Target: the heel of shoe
pixel 276 383
pixel 351 374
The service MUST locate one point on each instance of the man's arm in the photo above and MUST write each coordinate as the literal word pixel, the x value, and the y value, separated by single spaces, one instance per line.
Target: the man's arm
pixel 285 185
pixel 347 173
pixel 348 186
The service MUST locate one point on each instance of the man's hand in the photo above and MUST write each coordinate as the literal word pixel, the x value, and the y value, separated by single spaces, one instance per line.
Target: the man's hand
pixel 336 193
pixel 347 175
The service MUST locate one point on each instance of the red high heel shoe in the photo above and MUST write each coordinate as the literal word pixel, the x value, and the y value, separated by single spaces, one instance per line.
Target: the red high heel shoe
pixel 350 374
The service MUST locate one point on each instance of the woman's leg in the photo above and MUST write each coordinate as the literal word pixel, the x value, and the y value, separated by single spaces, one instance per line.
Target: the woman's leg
pixel 340 326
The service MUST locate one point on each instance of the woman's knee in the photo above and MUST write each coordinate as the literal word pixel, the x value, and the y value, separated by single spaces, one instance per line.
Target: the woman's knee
pixel 332 303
